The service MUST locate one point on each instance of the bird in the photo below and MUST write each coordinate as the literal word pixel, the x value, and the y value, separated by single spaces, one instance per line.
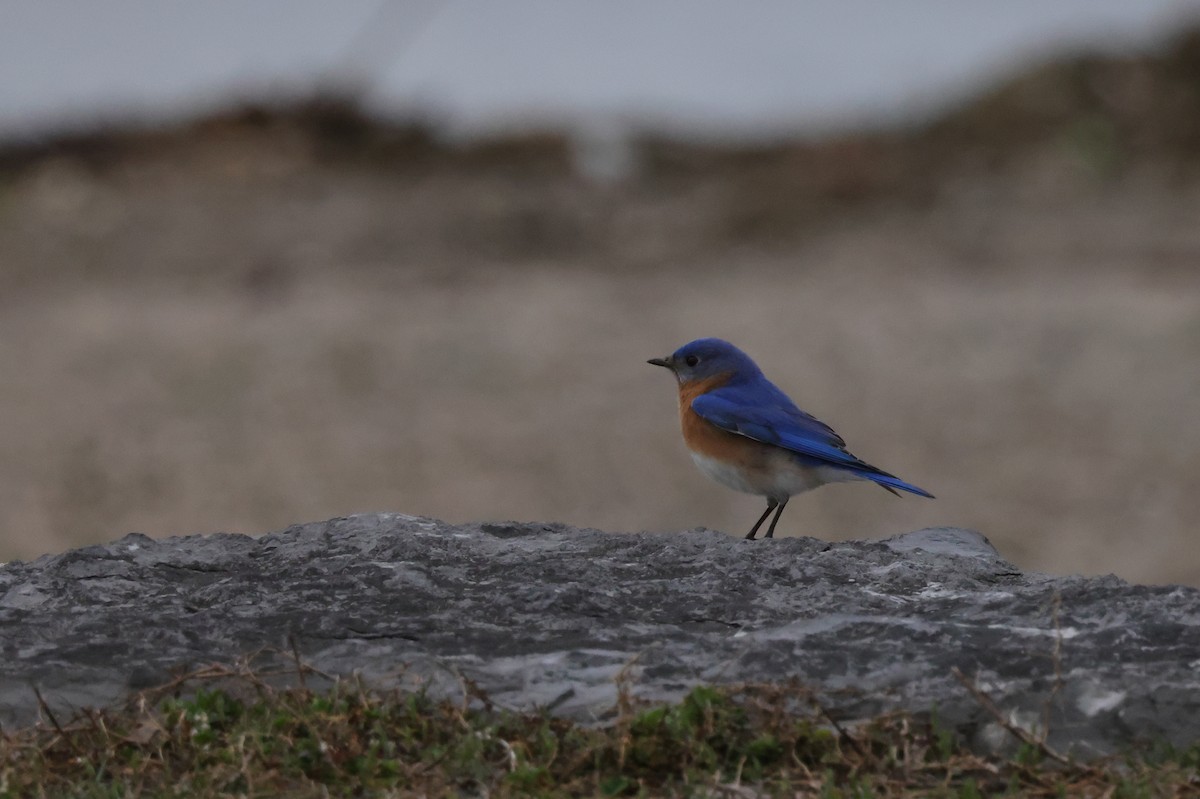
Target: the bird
pixel 745 433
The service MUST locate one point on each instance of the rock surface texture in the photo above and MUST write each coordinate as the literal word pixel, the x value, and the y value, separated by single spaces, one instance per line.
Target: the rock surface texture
pixel 550 615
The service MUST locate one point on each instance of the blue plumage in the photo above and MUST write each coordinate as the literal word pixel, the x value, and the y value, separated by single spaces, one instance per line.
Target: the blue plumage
pixel 733 408
pixel 726 399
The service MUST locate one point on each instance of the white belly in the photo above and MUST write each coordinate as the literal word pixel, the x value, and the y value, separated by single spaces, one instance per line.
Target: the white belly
pixel 781 479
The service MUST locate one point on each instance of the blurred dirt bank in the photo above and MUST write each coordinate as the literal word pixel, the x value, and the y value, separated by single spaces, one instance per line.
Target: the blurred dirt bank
pixel 278 316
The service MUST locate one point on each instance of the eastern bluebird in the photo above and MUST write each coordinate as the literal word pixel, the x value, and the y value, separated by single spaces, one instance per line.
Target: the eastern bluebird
pixel 746 434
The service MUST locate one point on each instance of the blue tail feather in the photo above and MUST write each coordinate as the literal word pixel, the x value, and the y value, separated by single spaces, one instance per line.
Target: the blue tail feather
pixel 889 482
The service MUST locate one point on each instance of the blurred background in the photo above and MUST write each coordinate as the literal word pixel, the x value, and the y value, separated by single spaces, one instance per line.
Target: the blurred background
pixel 272 262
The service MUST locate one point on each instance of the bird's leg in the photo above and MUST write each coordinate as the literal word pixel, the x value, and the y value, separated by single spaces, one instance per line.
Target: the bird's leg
pixel 775 521
pixel 761 519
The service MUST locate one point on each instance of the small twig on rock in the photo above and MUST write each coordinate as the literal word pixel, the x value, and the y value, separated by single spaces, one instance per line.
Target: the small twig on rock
pixel 299 663
pixel 841 731
pixel 625 707
pixel 1056 659
pixel 1021 734
pixel 44 707
pixel 624 683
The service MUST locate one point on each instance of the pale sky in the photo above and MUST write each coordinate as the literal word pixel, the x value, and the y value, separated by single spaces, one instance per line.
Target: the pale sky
pixel 692 66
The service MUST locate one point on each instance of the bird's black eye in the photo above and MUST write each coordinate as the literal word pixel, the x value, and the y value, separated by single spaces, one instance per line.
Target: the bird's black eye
pixel 691 360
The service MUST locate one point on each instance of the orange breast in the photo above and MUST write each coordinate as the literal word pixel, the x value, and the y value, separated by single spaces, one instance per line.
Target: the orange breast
pixel 711 441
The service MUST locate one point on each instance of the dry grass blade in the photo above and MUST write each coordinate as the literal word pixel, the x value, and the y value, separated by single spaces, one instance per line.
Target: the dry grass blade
pixel 45 710
pixel 1021 734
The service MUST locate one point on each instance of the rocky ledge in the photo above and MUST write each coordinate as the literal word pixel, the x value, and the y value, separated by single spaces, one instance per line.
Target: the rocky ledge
pixel 546 615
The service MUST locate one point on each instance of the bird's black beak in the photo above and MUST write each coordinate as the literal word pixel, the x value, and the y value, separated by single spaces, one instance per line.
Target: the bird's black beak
pixel 660 362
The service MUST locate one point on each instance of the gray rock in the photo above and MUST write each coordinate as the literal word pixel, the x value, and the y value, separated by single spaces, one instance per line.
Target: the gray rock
pixel 550 615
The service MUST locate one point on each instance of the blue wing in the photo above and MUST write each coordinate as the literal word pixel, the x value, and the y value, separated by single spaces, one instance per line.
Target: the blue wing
pixel 764 413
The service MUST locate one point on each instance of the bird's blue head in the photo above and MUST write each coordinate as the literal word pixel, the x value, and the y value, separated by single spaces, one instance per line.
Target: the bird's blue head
pixel 705 358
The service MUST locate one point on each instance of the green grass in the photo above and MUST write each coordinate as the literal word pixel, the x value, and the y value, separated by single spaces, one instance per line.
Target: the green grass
pixel 253 741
